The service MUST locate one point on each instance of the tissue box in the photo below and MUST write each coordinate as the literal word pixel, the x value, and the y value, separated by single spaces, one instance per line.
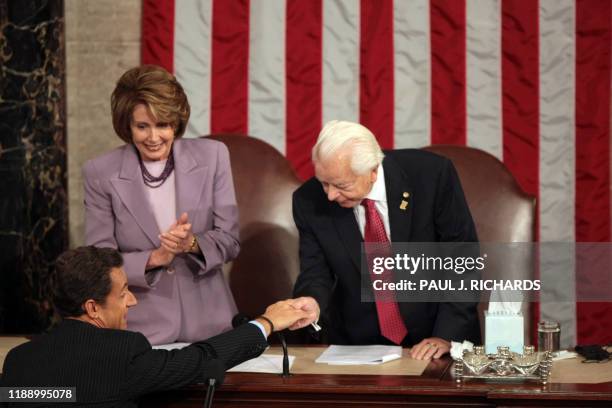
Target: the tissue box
pixel 503 329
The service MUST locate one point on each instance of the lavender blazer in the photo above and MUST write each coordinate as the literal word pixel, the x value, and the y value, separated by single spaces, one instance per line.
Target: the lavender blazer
pixel 190 301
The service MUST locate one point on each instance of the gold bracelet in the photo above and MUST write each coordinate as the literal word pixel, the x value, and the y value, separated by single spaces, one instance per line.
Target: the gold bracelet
pixel 194 244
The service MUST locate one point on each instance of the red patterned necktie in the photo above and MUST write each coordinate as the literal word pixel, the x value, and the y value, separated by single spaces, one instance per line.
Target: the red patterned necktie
pixel 389 319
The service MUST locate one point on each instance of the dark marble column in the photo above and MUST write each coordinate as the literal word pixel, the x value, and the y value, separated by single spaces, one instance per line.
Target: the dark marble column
pixel 33 202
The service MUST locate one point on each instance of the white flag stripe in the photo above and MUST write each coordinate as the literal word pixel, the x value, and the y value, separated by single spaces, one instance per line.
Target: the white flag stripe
pixel 557 149
pixel 266 106
pixel 483 72
pixel 340 89
pixel 412 73
pixel 192 56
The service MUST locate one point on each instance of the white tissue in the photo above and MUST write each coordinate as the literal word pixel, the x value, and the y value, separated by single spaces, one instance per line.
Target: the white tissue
pixel 498 303
pixel 457 348
pixel 504 323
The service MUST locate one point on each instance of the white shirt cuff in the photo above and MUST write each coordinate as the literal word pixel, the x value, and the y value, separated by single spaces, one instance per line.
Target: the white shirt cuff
pixel 260 326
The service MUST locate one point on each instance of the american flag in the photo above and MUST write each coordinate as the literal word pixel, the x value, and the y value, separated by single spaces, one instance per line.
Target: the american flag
pixel 525 80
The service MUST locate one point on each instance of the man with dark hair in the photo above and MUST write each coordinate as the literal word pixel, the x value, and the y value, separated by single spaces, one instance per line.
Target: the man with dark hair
pixel 108 365
pixel 83 282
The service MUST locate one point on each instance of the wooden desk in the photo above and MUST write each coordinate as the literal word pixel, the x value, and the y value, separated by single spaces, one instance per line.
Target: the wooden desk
pixel 435 388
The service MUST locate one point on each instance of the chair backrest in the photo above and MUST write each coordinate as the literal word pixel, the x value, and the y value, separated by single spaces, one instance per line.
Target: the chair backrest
pixel 501 210
pixel 268 263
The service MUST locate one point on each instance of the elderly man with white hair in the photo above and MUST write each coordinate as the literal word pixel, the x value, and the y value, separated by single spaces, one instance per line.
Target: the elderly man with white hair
pixel 360 194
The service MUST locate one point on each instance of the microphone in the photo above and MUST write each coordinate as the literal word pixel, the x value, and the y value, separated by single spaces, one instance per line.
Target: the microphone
pixel 240 318
pixel 286 372
pixel 214 373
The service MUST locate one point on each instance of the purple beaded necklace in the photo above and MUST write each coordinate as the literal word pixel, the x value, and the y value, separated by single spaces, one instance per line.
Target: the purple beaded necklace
pixel 149 179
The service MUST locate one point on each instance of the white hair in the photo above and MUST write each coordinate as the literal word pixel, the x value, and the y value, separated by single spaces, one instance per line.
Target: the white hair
pixel 366 154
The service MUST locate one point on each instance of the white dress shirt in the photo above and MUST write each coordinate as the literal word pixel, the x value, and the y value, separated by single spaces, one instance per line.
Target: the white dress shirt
pixel 378 194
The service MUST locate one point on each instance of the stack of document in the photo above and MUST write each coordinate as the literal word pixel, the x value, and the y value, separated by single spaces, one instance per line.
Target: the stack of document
pixel 265 363
pixel 355 355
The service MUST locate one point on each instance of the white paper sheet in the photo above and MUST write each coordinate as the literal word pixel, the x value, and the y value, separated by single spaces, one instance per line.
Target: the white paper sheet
pixel 354 355
pixel 272 364
pixel 171 346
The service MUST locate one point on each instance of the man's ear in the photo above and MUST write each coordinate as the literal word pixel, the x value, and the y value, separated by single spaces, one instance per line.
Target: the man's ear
pixel 374 175
pixel 91 308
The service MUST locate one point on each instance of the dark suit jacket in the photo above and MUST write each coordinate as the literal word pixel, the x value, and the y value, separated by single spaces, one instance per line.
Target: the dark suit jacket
pixel 330 248
pixel 111 368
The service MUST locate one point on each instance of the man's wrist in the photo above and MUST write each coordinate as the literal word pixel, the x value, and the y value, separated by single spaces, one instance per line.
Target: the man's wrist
pixel 267 323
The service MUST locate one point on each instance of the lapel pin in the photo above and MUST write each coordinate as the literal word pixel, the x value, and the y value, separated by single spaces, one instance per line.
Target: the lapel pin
pixel 404 203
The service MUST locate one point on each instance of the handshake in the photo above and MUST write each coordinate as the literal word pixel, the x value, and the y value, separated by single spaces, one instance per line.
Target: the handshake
pixel 292 314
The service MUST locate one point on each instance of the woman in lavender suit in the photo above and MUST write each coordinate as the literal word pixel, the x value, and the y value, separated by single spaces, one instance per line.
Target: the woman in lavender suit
pixel 168 205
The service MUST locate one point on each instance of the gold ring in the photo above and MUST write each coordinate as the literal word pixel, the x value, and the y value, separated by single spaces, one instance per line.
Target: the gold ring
pixel 176 244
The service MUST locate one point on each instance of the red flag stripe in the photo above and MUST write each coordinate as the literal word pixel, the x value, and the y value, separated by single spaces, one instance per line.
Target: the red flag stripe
pixel 520 98
pixel 593 150
pixel 448 94
pixel 376 97
pixel 230 63
pixel 303 81
pixel 520 89
pixel 158 33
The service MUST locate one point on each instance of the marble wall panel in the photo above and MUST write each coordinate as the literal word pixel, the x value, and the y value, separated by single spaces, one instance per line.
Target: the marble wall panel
pixel 59 61
pixel 33 199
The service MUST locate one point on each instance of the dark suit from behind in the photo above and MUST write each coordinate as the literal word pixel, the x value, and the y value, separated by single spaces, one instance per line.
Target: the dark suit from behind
pixel 330 245
pixel 112 368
